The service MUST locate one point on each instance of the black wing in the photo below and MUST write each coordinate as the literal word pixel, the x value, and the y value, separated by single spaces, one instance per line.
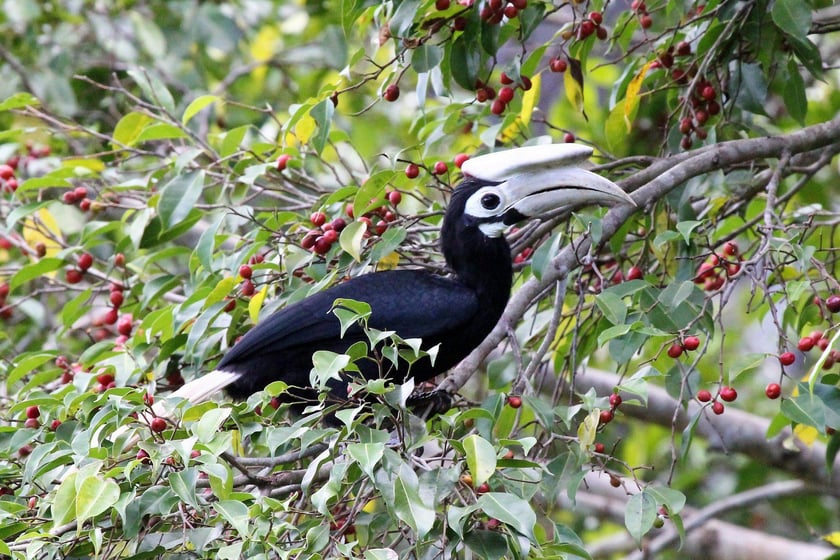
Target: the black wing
pixel 413 303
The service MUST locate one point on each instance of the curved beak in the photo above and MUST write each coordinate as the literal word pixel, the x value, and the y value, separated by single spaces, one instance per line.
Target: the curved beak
pixel 537 179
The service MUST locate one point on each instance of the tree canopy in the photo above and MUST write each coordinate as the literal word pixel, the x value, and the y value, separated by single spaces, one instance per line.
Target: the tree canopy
pixel 663 383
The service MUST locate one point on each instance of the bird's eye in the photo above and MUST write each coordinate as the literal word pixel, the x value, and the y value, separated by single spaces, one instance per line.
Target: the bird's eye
pixel 490 201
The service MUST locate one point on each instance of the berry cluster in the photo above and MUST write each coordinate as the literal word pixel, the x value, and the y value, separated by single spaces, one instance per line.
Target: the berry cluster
pixel 494 11
pixel 78 195
pixel 703 106
pixel 8 171
pixel 321 238
pixel 507 92
pixel 688 344
pixel 726 393
pixel 247 287
pixel 714 271
pixel 640 9
pixel 607 415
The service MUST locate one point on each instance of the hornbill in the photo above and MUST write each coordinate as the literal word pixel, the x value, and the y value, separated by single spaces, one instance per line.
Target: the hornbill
pixel 457 312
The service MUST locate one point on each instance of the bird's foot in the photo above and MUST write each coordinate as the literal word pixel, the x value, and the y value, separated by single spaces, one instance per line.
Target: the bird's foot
pixel 429 403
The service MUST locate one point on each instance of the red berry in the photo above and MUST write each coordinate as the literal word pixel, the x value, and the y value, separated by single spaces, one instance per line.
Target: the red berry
pixel 730 248
pixel 111 315
pixel 728 394
pixel 440 168
pixel 412 171
pixel 599 447
pixel 338 224
pixel 119 260
pixel 717 407
pixel 442 5
pixel 638 6
pixel 805 343
pixel 248 289
pixel 55 424
pixel 392 92
pixel 686 142
pixel 80 192
pixel 822 343
pixel 558 64
pixel 69 197
pixel 586 29
pixel 773 391
pixel 25 450
pixel 73 276
pixel 459 23
pixel 31 423
pixel 85 205
pixel 686 125
pixel 514 401
pixel 33 411
pixel 246 271
pixel 510 11
pixel 520 4
pixel 675 351
pixel 6 172
pixel 116 299
pixel 703 395
pixel 124 325
pixel 498 107
pixel 713 107
pixel 833 303
pixel 568 138
pixel 787 358
pixel 596 17
pixel 157 425
pixel 691 343
pixel 318 219
pixel 483 488
pixel 148 399
pixel 701 117
pixel 505 79
pixel 331 236
pixel 683 48
pixel 460 159
pixel 526 83
pixel 394 197
pixel 634 273
pixel 321 245
pixel 506 94
pixel 85 261
pixel 708 93
pixel 606 416
pixel 645 21
pixel 282 161
pixel 615 400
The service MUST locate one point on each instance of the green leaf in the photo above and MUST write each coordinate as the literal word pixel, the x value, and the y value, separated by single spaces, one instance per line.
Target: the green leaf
pixel 685 228
pixel 794 94
pixel 831 450
pixel 19 101
pixel 425 57
pixel 35 270
pixel 328 365
pixel 367 455
pixel 612 306
pixel 94 496
pixel 184 483
pixel 487 545
pixel 322 113
pixel 750 87
pixel 129 128
pixel 805 408
pixel 178 197
pixel 235 513
pixel 464 62
pixel 351 239
pixel 481 458
pixel 792 16
pixel 639 515
pixel 208 425
pixel 154 89
pixel 510 510
pixel 196 105
pixel 409 506
pixel 64 502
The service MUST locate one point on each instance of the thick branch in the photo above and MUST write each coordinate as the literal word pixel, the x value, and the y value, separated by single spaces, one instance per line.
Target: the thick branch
pixel 647 186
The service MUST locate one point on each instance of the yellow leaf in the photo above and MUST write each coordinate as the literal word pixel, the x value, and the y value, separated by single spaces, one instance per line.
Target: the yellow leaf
pixel 573 84
pixel 304 128
pixel 263 47
pixel 529 101
pixel 832 538
pixel 41 227
pixel 631 98
pixel 389 261
pixel 806 434
pixel 255 304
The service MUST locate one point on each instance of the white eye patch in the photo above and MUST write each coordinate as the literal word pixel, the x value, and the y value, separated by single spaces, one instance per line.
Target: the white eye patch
pixel 486 202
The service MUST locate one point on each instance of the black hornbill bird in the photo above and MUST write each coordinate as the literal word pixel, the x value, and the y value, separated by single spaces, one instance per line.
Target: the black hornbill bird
pixel 456 312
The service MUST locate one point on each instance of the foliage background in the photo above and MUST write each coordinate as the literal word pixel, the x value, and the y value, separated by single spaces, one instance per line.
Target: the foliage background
pixel 170 118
